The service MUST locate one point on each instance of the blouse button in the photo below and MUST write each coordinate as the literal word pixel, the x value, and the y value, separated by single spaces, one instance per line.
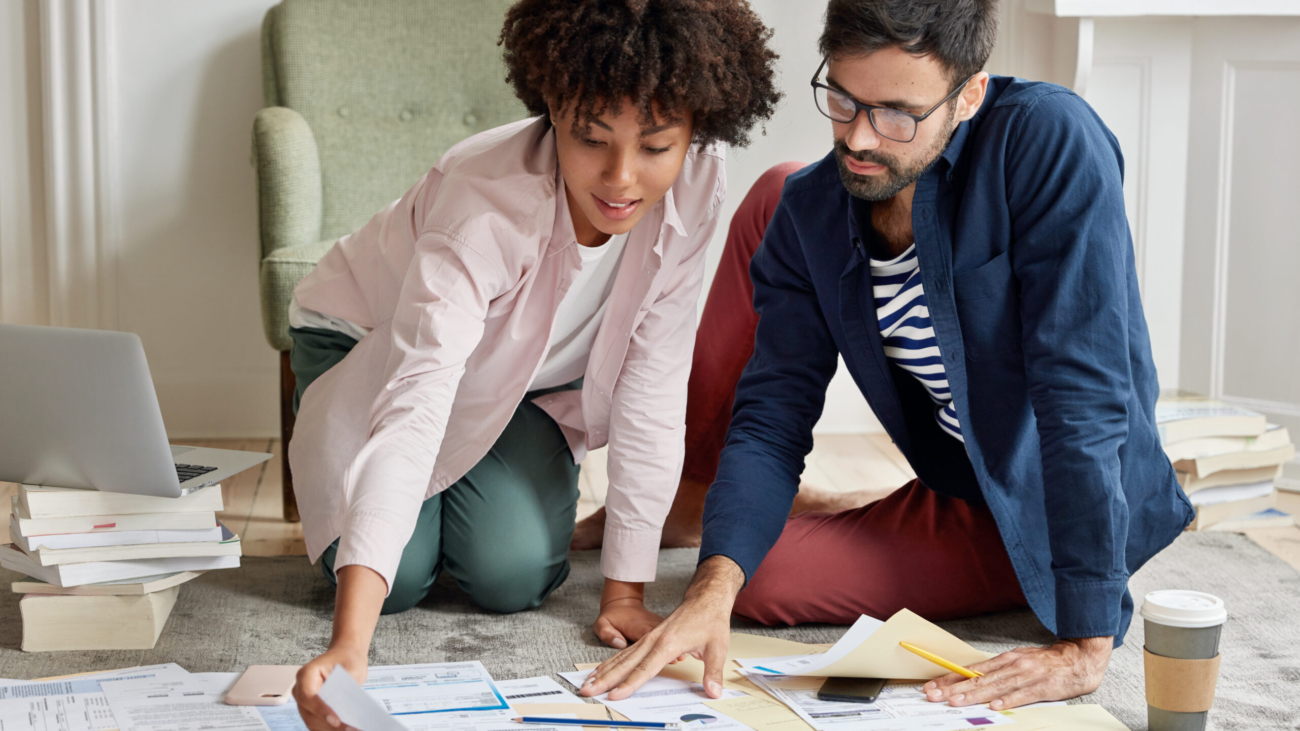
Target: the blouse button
pixel 406 115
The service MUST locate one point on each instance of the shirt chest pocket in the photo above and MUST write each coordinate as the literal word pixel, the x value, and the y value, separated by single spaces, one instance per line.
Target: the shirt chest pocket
pixel 988 308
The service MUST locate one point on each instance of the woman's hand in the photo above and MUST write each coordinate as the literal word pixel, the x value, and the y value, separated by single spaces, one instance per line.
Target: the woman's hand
pixel 315 713
pixel 623 617
pixel 624 621
pixel 357 603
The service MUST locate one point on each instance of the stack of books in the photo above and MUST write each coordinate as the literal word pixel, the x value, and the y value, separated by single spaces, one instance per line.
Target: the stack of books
pixel 107 567
pixel 1228 460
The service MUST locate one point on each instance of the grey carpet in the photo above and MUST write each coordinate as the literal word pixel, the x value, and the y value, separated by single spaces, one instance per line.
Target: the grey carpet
pixel 277 611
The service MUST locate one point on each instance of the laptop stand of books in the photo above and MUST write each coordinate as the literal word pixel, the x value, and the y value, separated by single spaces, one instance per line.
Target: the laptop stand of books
pixel 106 568
pixel 1228 460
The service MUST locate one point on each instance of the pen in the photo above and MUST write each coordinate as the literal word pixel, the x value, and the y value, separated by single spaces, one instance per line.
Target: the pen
pixel 601 724
pixel 941 662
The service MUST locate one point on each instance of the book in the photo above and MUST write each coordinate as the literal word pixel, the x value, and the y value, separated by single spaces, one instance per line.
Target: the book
pixel 1268 518
pixel 109 538
pixel 29 526
pixel 39 501
pixel 1191 483
pixel 1208 515
pixel 1229 493
pixel 95 622
pixel 1208 465
pixel 1274 436
pixel 1183 415
pixel 124 587
pixel 97 572
pixel 227 546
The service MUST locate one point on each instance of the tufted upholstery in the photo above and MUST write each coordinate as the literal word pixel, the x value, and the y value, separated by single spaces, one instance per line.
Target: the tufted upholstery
pixel 362 98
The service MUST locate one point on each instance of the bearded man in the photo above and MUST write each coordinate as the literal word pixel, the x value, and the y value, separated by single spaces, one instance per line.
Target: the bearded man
pixel 964 247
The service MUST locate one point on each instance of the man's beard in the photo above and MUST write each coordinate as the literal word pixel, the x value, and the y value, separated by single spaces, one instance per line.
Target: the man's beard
pixel 886 185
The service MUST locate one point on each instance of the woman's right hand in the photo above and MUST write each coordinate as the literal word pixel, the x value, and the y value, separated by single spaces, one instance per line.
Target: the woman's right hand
pixel 315 713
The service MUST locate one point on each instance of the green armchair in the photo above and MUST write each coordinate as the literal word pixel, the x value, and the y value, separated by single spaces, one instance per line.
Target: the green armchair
pixel 362 98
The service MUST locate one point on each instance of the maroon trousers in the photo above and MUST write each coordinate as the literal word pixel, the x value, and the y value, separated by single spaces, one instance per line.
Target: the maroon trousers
pixel 938 556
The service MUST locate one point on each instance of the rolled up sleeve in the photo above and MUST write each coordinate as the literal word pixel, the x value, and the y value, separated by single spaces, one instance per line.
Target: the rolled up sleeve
pixel 778 400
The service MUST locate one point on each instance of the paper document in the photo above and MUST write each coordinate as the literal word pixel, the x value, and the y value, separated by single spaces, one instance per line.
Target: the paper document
pixel 72 704
pixel 191 703
pixel 899 708
pixel 353 706
pixel 535 690
pixel 667 700
pixel 870 649
pixel 1085 717
pixel 436 695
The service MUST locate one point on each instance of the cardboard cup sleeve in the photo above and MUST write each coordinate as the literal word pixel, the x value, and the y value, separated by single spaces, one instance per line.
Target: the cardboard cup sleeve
pixel 1182 686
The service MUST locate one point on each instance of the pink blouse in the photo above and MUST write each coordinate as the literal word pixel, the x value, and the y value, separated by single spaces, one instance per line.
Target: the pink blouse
pixel 460 280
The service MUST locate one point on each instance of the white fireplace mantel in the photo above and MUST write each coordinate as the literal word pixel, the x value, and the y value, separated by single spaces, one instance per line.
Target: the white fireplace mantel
pixel 1088 10
pixel 1130 8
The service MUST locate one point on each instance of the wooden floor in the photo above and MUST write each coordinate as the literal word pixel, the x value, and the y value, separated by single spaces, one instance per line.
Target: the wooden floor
pixel 841 462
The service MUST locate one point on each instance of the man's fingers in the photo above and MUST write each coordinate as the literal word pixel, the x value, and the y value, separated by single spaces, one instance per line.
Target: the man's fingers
pixel 612 671
pixel 943 688
pixel 1018 697
pixel 715 657
pixel 649 666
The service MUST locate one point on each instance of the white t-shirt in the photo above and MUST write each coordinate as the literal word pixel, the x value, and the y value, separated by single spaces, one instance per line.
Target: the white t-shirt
pixel 580 313
pixel 576 321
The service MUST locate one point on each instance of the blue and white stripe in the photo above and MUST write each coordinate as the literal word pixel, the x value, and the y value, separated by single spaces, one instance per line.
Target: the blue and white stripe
pixel 908 333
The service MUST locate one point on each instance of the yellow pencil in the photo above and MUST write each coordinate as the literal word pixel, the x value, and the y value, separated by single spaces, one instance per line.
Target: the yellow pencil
pixel 965 672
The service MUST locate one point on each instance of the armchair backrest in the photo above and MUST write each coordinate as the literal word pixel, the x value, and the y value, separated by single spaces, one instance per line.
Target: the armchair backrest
pixel 386 87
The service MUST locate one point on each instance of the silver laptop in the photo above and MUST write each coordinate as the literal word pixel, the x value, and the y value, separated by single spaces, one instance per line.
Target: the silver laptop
pixel 78 409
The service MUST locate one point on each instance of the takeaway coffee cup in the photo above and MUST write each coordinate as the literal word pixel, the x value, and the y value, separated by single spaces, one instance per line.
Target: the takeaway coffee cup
pixel 1181 657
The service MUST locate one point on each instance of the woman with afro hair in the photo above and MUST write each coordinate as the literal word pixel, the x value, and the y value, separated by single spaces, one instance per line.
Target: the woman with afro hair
pixel 531 298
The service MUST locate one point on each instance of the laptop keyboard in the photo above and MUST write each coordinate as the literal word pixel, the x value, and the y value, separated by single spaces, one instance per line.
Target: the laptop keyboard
pixel 189 471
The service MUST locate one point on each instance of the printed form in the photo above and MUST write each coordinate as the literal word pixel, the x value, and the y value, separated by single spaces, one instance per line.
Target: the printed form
pixel 74 704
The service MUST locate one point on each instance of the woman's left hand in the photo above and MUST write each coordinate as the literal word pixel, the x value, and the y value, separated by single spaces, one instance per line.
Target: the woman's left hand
pixel 624 621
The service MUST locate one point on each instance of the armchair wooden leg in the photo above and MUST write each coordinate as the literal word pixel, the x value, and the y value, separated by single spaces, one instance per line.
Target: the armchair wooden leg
pixel 287 383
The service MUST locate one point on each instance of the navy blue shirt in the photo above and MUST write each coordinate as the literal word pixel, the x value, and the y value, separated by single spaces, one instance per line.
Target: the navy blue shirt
pixel 1028 267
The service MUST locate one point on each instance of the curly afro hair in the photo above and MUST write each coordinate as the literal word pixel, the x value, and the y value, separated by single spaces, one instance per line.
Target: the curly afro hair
pixel 708 58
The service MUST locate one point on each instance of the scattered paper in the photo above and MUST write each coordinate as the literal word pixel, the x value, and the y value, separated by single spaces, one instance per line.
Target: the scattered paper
pixel 535 690
pixel 899 708
pixel 761 713
pixel 870 649
pixel 435 695
pixel 1060 717
pixel 70 704
pixel 667 700
pixel 191 703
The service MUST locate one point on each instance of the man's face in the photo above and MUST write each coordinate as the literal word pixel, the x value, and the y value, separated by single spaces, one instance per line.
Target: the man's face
pixel 873 167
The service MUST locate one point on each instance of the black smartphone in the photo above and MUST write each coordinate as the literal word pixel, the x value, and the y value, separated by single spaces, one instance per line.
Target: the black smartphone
pixel 851 690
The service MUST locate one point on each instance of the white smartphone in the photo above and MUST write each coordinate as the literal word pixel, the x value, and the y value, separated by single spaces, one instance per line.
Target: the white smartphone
pixel 263 685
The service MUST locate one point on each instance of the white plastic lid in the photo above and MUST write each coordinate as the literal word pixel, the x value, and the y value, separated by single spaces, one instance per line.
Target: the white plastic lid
pixel 1178 608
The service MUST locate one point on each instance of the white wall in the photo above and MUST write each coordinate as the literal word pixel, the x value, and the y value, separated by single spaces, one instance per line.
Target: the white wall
pixel 127 200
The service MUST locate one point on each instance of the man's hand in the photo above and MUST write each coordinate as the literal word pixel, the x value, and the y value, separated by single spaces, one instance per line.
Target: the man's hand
pixel 623 617
pixel 315 713
pixel 1027 675
pixel 701 626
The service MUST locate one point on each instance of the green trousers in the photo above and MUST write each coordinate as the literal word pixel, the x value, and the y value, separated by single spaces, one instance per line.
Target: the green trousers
pixel 502 531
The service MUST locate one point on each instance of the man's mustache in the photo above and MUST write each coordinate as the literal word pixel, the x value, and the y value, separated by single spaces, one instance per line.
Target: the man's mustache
pixel 867 156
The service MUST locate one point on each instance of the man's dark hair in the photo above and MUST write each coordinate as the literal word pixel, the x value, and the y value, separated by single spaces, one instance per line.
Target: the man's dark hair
pixel 959 34
pixel 706 57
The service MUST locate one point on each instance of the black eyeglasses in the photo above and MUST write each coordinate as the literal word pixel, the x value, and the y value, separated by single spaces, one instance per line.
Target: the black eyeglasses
pixel 892 124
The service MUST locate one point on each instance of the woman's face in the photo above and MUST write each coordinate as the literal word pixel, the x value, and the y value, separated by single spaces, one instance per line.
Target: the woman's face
pixel 618 170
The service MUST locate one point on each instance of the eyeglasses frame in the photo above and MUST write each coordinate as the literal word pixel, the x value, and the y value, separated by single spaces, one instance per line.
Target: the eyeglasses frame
pixel 860 107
